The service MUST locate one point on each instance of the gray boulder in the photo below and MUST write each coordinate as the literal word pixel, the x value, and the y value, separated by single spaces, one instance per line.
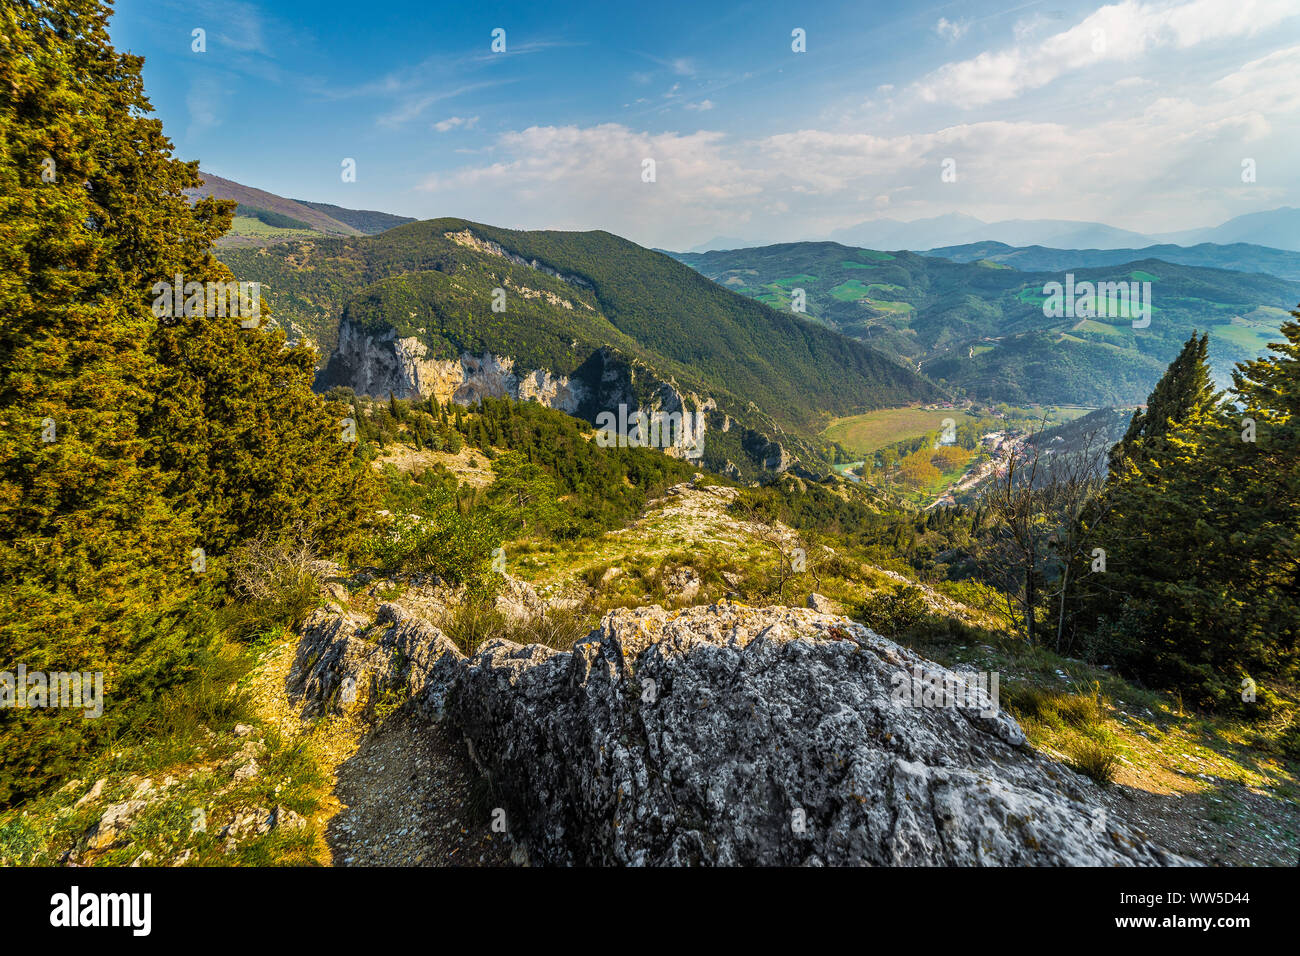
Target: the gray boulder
pixel 730 735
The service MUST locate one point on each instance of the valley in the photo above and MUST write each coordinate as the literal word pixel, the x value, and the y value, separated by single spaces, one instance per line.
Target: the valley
pixel 979 326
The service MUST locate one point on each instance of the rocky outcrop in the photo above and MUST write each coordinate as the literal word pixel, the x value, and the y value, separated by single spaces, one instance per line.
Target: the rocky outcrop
pixel 468 239
pixel 732 735
pixel 603 388
pixel 379 364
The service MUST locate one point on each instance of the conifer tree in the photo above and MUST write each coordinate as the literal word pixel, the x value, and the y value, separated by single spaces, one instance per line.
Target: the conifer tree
pixel 95 559
pixel 133 449
pixel 1201 544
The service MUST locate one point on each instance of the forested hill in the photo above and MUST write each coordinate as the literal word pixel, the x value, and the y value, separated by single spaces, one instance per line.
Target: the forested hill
pixel 793 370
pixel 1237 257
pixel 981 326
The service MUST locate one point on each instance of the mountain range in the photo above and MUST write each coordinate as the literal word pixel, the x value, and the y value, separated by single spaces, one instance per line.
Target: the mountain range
pixel 583 321
pixel 263 217
pixel 1238 257
pixel 981 326
pixel 1277 229
pixel 395 310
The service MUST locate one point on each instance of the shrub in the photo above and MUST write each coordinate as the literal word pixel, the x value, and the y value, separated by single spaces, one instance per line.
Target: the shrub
pixel 894 611
pixel 472 622
pixel 1094 758
pixel 275 583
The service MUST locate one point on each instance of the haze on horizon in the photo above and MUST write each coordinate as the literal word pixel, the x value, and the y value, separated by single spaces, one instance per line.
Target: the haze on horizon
pixel 1136 114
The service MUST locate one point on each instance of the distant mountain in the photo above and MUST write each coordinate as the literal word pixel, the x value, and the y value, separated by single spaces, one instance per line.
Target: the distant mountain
pixel 264 218
pixel 1239 257
pixel 252 202
pixel 1278 228
pixel 956 228
pixel 726 242
pixel 981 326
pixel 366 221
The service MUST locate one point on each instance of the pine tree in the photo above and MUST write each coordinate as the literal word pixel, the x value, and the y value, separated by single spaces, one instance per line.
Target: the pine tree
pixel 133 449
pixel 96 561
pixel 1201 543
pixel 1183 392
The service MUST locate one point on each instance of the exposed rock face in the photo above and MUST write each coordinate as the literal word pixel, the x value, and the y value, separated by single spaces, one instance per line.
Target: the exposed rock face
pixel 467 238
pixel 344 664
pixel 605 385
pixel 379 364
pixel 734 735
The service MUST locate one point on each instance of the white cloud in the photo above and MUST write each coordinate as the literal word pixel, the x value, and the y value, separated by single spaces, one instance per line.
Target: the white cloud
pixel 413 106
pixel 1151 156
pixel 953 31
pixel 452 122
pixel 1119 32
pixel 701 106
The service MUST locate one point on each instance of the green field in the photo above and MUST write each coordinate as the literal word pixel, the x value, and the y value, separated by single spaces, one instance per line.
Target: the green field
pixel 863 434
pixel 850 291
pixel 884 305
pixel 1250 338
pixel 248 226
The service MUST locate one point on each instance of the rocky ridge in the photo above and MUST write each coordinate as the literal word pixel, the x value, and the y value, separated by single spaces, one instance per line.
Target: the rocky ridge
pixel 723 734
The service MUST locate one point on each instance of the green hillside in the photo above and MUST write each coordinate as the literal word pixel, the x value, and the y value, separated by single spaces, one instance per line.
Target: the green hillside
pixel 983 330
pixel 368 221
pixel 1237 256
pixel 644 303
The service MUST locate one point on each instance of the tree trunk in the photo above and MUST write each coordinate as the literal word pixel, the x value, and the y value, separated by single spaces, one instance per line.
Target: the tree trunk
pixel 1060 622
pixel 1030 599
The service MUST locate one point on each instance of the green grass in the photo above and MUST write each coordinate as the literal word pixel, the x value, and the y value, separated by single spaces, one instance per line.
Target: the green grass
pixel 1250 339
pixel 1099 328
pixel 850 291
pixel 864 434
pixel 884 305
pixel 249 226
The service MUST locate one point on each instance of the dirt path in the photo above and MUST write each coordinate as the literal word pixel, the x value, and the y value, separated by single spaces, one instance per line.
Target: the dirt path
pixel 406 799
pixel 399 794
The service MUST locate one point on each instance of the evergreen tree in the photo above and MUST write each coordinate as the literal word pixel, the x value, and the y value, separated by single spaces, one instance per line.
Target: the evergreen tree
pixel 133 449
pixel 1201 543
pixel 95 559
pixel 1183 392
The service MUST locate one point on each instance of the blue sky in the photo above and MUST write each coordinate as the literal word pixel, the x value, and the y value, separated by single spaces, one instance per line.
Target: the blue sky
pixel 1138 114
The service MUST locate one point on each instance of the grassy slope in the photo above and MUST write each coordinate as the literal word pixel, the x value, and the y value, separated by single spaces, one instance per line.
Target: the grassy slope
pixel 260 199
pixel 864 434
pixel 943 311
pixel 1216 788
